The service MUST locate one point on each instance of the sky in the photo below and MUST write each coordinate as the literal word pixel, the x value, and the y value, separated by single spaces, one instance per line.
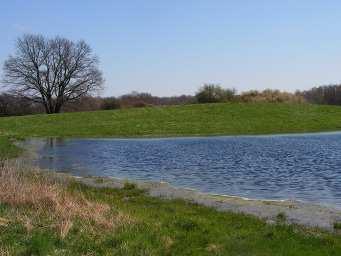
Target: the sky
pixel 173 47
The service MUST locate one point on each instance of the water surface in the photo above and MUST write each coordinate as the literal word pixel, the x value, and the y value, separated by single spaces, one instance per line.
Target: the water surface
pixel 299 167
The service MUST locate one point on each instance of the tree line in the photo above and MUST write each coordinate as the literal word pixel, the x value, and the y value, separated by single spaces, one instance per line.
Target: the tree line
pixel 11 105
pixel 208 93
pixel 328 95
pixel 56 74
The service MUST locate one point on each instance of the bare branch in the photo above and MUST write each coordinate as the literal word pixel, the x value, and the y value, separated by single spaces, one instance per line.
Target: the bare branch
pixel 52 71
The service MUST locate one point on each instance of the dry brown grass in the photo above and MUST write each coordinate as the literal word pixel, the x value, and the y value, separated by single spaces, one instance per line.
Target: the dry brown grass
pixel 4 221
pixel 168 242
pixel 49 197
pixel 213 248
pixel 4 252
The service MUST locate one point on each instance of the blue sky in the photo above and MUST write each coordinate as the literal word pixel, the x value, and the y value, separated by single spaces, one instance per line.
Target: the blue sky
pixel 173 47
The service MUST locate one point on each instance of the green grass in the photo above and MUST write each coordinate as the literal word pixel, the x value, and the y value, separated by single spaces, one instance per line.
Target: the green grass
pixel 167 227
pixel 8 149
pixel 164 227
pixel 189 120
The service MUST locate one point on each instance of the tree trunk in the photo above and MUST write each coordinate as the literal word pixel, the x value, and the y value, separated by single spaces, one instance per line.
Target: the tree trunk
pixel 57 109
pixel 58 105
pixel 48 104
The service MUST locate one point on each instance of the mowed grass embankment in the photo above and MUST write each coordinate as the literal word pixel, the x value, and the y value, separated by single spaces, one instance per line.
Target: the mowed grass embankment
pixel 188 120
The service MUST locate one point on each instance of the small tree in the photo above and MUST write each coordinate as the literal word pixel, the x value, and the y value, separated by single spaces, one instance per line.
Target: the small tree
pixel 210 93
pixel 52 71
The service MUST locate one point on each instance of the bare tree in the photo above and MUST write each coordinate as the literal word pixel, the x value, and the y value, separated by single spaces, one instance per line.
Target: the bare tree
pixel 52 71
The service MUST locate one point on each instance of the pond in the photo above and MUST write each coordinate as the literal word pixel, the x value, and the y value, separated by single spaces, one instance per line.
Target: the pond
pixel 298 167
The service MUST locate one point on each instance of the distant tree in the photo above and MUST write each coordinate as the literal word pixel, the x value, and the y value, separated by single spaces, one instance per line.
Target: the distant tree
pixel 327 94
pixel 12 105
pixel 210 93
pixel 52 72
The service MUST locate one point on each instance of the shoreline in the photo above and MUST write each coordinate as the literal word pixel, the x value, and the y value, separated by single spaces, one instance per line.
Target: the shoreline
pixel 291 212
pixel 294 212
pixel 186 136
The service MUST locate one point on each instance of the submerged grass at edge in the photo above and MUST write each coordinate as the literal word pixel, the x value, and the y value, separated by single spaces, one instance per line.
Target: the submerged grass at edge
pixel 163 227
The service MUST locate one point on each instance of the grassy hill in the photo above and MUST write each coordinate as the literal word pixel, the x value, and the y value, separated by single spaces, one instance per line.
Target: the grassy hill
pixel 188 120
pixel 205 119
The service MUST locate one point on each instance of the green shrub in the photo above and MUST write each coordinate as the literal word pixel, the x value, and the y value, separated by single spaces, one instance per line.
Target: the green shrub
pixel 337 225
pixel 281 217
pixel 212 93
pixel 129 186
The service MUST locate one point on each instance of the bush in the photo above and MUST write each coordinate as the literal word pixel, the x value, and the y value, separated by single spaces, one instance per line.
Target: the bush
pixel 211 93
pixel 110 103
pixel 140 104
pixel 268 95
pixel 85 103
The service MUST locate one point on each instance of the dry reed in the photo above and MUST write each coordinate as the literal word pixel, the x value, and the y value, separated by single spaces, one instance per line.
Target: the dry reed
pixel 48 196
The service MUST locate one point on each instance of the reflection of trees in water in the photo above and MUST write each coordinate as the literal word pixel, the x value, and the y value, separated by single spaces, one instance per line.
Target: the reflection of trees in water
pixel 54 142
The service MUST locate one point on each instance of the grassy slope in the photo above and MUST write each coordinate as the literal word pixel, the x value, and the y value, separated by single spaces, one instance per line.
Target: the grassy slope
pixel 169 227
pixel 209 119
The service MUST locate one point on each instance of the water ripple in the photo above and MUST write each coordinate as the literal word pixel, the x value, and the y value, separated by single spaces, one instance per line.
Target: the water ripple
pixel 269 167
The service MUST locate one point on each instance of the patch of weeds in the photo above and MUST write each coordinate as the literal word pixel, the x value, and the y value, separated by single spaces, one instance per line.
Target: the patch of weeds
pixel 99 180
pixel 112 242
pixel 40 243
pixel 213 249
pixel 129 186
pixel 186 224
pixel 130 192
pixel 3 208
pixel 269 235
pixel 337 226
pixel 281 217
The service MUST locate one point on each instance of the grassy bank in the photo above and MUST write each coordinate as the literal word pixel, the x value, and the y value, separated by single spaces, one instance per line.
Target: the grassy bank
pixel 189 120
pixel 206 119
pixel 40 215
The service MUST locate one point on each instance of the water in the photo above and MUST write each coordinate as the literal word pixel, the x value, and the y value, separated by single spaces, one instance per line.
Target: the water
pixel 299 167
